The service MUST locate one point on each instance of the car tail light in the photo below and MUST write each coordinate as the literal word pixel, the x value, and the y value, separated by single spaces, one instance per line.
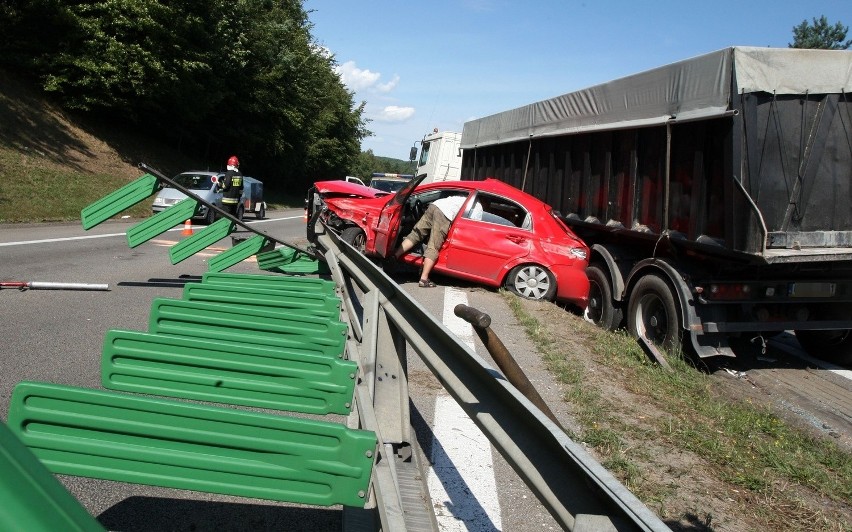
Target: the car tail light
pixel 575 252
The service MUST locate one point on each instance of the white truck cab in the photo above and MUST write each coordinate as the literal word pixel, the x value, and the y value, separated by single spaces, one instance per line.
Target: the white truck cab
pixel 440 156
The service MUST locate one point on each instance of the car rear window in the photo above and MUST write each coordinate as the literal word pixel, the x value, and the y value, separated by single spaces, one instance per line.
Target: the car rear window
pixel 194 181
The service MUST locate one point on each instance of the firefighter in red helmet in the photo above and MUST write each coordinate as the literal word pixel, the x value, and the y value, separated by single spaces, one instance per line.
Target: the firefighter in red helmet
pixel 231 186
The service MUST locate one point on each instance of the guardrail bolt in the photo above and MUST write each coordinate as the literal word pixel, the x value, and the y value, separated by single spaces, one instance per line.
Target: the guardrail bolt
pixel 369 454
pixel 361 494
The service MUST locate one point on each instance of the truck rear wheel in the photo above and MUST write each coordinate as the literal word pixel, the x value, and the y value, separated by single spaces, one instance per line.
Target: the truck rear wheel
pixel 260 214
pixel 601 309
pixel 653 313
pixel 831 346
pixel 355 237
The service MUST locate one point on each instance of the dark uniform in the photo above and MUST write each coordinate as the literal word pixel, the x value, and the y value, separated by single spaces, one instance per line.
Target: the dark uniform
pixel 232 188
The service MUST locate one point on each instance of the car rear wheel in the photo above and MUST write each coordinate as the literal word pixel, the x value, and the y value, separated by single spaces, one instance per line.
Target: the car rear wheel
pixel 831 346
pixel 210 217
pixel 653 313
pixel 601 309
pixel 532 281
pixel 355 237
pixel 261 213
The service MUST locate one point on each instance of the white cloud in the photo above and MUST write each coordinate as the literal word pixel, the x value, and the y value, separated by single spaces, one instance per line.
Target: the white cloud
pixel 394 113
pixel 355 78
pixel 358 79
pixel 389 86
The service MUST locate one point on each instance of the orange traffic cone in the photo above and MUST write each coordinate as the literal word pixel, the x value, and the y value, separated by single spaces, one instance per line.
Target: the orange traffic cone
pixel 187 228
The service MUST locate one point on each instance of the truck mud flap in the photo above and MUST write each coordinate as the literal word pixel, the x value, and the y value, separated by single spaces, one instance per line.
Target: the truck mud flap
pixel 122 199
pixel 205 370
pixel 315 304
pixel 33 499
pixel 161 222
pixel 273 282
pixel 203 239
pixel 162 442
pixel 257 326
pixel 291 261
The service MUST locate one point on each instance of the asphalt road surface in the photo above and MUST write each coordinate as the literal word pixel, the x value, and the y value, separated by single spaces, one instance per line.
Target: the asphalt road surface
pixel 56 336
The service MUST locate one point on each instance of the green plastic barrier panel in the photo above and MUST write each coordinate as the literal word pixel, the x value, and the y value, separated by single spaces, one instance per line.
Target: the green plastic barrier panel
pixel 317 304
pixel 118 201
pixel 168 443
pixel 205 370
pixel 33 500
pixel 161 222
pixel 291 261
pixel 275 282
pixel 207 237
pixel 219 321
pixel 237 254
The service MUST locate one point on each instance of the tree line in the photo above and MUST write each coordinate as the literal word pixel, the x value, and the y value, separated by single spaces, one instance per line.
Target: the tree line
pixel 217 77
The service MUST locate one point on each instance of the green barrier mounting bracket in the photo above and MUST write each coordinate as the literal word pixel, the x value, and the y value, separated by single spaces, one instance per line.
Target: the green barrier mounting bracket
pixel 206 370
pixel 33 499
pixel 207 237
pixel 161 222
pixel 286 260
pixel 119 200
pixel 247 326
pixel 161 442
pixel 271 282
pixel 314 303
pixel 237 254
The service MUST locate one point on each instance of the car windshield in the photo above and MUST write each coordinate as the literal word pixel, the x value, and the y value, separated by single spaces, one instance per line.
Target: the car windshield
pixel 194 181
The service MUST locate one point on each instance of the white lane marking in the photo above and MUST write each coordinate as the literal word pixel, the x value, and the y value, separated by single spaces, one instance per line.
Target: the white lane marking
pixel 461 480
pixel 108 235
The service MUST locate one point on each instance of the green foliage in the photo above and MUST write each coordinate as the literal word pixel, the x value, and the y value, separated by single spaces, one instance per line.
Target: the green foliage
pixel 820 35
pixel 216 77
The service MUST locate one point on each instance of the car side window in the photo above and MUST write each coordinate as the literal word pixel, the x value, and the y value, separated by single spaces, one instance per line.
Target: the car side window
pixel 500 211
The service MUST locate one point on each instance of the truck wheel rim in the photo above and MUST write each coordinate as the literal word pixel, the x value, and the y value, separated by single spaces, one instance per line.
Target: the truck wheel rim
pixel 594 310
pixel 652 319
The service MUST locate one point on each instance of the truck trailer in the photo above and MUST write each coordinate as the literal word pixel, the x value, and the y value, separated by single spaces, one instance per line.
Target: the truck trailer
pixel 715 194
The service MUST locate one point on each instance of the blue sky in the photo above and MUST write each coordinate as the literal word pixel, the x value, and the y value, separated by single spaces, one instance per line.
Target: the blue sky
pixel 438 64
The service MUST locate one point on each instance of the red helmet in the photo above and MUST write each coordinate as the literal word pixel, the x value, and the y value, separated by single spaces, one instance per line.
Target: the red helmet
pixel 233 161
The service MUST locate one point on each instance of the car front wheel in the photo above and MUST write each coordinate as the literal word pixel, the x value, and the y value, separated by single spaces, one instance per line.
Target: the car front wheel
pixel 532 282
pixel 355 237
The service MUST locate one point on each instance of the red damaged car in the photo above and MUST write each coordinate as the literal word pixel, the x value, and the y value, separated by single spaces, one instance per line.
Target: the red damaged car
pixel 519 242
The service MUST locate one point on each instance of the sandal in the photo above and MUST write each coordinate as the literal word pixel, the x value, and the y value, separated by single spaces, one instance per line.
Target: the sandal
pixel 426 283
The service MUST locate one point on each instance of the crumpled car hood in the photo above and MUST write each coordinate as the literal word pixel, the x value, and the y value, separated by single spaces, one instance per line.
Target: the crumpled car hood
pixel 347 189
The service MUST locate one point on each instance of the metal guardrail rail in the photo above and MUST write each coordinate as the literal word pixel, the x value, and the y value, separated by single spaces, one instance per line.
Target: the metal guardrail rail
pixel 380 323
pixel 576 490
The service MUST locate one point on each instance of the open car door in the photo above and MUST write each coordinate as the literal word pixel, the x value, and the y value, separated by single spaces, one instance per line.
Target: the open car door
pixel 387 228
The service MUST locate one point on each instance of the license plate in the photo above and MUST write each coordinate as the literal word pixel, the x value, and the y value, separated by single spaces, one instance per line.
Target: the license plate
pixel 812 289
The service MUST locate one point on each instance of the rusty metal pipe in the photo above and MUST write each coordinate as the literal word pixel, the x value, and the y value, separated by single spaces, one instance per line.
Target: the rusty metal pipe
pixel 481 323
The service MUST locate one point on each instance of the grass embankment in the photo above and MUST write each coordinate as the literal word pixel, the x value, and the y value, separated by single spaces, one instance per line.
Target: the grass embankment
pixel 780 472
pixel 36 190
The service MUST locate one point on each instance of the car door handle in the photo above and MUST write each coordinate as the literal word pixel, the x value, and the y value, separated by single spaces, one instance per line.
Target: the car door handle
pixel 516 239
